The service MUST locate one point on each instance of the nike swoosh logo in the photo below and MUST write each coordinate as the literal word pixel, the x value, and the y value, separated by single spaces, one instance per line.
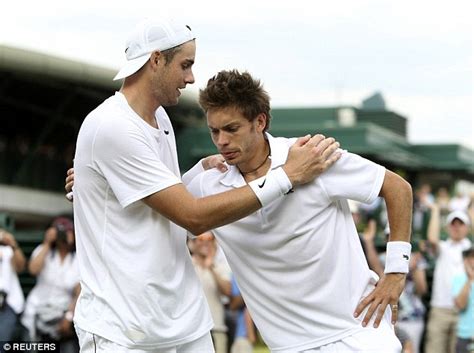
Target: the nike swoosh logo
pixel 406 257
pixel 261 185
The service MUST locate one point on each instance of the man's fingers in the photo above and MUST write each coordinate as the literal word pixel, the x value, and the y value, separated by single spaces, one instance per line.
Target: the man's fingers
pixel 222 167
pixel 316 140
pixel 369 313
pixel 394 313
pixel 362 305
pixel 302 140
pixel 380 313
pixel 330 149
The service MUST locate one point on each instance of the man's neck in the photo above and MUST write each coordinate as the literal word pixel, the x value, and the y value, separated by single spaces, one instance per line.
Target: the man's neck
pixel 259 164
pixel 142 104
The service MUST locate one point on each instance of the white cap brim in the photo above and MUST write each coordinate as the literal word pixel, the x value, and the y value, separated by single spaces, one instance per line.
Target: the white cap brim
pixel 132 66
pixel 462 216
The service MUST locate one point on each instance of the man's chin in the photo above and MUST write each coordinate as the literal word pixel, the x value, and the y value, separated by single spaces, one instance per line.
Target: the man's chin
pixel 231 161
pixel 171 101
pixel 170 104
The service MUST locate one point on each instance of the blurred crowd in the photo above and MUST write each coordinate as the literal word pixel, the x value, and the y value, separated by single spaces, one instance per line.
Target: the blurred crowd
pixel 436 309
pixel 47 313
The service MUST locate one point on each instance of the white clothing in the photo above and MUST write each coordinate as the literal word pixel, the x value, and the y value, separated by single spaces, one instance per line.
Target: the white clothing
pixel 212 293
pixel 9 280
pixel 449 263
pixel 54 286
pixel 90 343
pixel 299 261
pixel 139 287
pixel 368 340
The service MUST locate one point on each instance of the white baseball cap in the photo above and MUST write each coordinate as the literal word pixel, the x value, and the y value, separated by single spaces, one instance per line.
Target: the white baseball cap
pixel 150 35
pixel 462 216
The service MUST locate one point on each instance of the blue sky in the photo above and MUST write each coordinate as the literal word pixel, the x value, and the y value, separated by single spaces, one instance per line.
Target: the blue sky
pixel 417 53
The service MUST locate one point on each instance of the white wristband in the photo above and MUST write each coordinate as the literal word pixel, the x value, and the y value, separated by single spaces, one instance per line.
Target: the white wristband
pixel 397 257
pixel 271 186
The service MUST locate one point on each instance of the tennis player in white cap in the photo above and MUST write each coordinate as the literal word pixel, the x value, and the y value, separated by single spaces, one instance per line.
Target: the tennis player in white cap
pixel 139 289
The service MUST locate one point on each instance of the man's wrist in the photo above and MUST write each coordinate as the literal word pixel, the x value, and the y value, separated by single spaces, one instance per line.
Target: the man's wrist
pixel 397 257
pixel 272 186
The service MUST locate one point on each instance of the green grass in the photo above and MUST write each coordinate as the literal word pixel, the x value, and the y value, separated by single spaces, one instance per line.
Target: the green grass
pixel 260 349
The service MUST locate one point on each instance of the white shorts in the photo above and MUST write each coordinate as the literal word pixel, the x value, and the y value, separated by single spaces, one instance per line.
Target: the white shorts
pixel 368 340
pixel 90 343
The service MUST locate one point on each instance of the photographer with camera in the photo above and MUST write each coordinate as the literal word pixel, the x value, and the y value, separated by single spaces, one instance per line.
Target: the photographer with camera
pixel 50 305
pixel 12 262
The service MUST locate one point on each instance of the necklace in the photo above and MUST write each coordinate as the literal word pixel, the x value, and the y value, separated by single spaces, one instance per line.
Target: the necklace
pixel 254 170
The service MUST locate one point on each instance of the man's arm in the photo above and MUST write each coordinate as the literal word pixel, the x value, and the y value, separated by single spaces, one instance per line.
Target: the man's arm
pixel 461 296
pixel 307 159
pixel 434 228
pixel 399 200
pixel 18 260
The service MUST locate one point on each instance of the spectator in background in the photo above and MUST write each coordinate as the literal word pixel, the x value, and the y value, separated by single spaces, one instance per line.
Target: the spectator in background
pixel 422 204
pixel 443 316
pixel 12 262
pixel 463 292
pixel 50 304
pixel 405 340
pixel 245 336
pixel 215 278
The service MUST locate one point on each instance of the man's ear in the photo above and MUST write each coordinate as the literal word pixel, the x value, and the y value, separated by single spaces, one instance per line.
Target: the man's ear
pixel 155 58
pixel 261 121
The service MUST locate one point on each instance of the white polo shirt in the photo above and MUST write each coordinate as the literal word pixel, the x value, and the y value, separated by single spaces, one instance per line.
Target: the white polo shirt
pixel 139 287
pixel 298 261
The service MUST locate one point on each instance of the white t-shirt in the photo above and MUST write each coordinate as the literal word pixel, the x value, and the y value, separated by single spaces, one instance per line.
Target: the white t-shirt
pixel 299 261
pixel 54 285
pixel 9 280
pixel 139 288
pixel 449 263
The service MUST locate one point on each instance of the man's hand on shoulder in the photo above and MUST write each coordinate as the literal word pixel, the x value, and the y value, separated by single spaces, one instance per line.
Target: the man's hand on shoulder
pixel 309 157
pixel 214 161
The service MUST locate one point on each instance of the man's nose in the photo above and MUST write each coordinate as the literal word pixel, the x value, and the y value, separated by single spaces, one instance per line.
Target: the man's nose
pixel 222 139
pixel 190 77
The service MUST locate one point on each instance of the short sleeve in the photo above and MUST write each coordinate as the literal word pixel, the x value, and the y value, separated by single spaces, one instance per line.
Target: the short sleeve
pixel 125 156
pixel 194 186
pixel 193 172
pixel 353 177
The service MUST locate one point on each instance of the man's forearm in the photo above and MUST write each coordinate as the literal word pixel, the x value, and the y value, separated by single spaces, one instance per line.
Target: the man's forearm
pixel 462 298
pixel 399 200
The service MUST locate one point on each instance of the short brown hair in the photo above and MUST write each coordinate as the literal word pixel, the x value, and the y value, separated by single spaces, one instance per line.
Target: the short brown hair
pixel 169 54
pixel 238 90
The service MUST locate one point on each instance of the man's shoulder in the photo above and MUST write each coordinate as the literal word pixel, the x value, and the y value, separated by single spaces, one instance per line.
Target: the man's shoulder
pixel 205 183
pixel 211 175
pixel 108 111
